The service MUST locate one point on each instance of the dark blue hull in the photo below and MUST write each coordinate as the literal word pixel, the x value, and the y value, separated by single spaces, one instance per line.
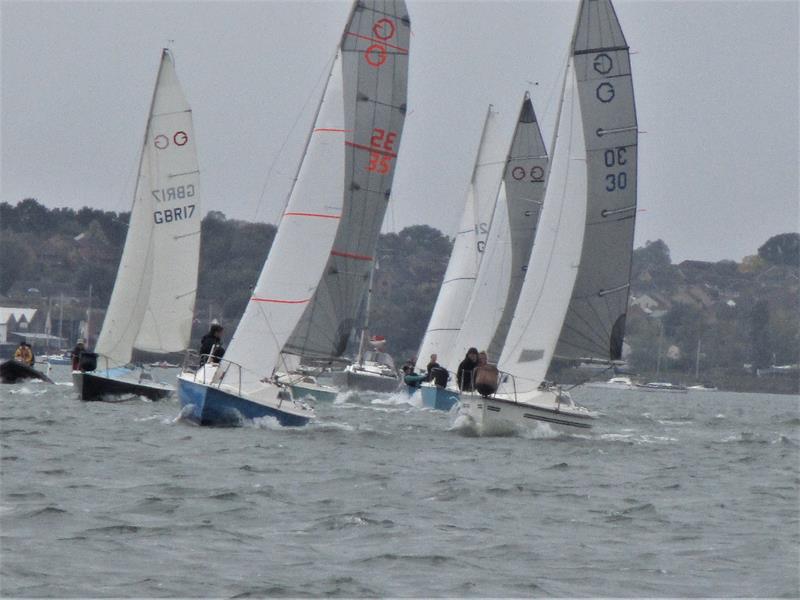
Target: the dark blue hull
pixel 214 407
pixel 438 398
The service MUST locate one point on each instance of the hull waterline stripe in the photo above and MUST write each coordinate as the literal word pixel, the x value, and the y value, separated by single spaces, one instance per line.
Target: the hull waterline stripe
pixel 348 255
pixel 273 300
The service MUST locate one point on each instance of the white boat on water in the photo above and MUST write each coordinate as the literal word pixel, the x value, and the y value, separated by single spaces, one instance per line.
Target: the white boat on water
pixel 349 152
pixel 615 383
pixel 151 307
pixel 575 295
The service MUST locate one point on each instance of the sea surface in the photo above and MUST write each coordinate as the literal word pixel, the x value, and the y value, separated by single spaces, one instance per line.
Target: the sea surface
pixel 673 495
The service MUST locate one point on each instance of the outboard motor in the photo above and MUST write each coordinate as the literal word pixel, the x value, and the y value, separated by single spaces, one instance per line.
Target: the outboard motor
pixel 486 378
pixel 87 361
pixel 439 376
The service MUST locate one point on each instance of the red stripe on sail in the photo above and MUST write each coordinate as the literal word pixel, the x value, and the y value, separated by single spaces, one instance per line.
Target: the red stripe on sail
pixel 371 149
pixel 348 255
pixel 377 41
pixel 331 129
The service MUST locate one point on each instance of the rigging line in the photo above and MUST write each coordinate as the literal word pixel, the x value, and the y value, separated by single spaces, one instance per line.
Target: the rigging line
pixel 325 69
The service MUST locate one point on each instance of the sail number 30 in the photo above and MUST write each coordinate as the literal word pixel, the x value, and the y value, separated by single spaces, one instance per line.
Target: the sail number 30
pixel 615 157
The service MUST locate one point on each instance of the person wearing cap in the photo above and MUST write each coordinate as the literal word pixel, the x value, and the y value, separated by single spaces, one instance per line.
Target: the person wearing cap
pixel 76 354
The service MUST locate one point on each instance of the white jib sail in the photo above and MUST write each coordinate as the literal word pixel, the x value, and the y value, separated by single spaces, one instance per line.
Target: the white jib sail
pixel 301 248
pixel 152 304
pixel 489 292
pixel 468 247
pixel 555 257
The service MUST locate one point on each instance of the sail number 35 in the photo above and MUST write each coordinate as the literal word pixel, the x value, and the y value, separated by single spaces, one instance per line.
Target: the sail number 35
pixel 382 151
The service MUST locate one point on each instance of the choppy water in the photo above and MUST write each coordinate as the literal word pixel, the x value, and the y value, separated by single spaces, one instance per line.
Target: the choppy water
pixel 670 495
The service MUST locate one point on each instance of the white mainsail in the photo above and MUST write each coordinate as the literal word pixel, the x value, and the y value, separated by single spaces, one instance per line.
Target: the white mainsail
pixel 302 244
pixel 511 235
pixel 468 248
pixel 151 307
pixel 580 266
pixel 375 52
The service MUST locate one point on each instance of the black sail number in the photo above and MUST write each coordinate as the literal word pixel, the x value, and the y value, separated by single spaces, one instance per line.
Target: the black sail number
pixel 616 157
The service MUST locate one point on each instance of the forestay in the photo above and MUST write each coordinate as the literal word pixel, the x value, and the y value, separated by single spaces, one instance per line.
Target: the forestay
pixel 375 72
pixel 152 303
pixel 468 247
pixel 575 293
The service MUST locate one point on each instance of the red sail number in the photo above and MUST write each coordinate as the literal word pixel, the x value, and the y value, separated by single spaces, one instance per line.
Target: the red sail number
pixel 380 160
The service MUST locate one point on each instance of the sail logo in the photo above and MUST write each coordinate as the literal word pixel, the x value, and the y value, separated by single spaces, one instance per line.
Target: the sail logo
pixel 603 64
pixel 179 138
pixel 168 215
pixel 377 53
pixel 536 173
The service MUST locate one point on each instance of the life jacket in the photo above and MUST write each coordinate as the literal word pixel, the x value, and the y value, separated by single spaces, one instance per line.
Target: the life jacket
pixel 24 354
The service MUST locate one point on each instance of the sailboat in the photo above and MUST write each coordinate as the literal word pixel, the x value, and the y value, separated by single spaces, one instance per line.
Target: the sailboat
pixel 575 295
pixel 376 47
pixel 349 154
pixel 502 269
pixel 465 260
pixel 151 306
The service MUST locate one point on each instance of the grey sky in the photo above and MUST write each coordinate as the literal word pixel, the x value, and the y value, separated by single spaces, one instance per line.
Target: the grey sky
pixel 716 92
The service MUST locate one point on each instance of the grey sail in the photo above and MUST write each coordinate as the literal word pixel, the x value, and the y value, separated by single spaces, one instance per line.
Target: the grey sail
pixel 524 180
pixel 375 69
pixel 595 322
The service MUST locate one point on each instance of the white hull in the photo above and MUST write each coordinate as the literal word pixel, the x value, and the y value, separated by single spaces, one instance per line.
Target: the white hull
pixel 500 414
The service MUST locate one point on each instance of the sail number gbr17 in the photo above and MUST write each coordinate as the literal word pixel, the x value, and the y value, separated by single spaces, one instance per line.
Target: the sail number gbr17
pixel 179 213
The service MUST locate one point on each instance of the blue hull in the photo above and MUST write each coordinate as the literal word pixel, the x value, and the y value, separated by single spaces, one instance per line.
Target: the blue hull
pixel 216 408
pixel 438 398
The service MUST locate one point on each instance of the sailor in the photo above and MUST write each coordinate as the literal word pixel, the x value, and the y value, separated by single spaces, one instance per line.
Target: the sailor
pixel 76 354
pixel 483 359
pixel 211 345
pixel 465 369
pixel 431 365
pixel 24 354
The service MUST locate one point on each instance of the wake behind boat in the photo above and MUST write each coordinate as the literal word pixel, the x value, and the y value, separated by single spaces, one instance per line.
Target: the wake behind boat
pixel 151 306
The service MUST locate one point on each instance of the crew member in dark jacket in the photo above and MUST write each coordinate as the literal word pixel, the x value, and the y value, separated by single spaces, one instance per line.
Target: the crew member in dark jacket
pixel 211 345
pixel 79 348
pixel 465 369
pixel 432 364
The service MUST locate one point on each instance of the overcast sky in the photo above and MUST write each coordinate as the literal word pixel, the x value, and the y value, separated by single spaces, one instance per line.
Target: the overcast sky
pixel 716 88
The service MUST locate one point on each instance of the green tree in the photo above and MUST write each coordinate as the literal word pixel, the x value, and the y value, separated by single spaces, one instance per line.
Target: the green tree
pixel 782 249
